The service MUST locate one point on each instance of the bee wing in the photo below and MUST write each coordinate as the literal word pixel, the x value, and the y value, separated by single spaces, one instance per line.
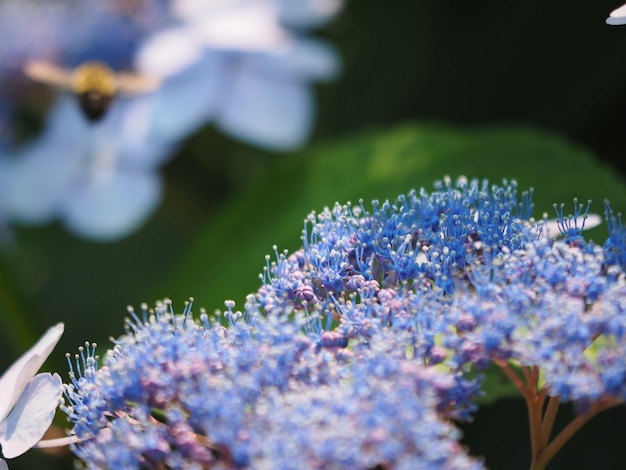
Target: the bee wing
pixel 48 73
pixel 132 83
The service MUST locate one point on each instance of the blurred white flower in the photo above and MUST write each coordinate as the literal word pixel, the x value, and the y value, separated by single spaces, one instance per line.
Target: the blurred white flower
pixel 617 16
pixel 28 401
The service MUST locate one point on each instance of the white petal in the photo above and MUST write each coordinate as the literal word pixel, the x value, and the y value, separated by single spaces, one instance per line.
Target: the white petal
pixel 592 220
pixel 617 16
pixel 550 228
pixel 14 380
pixel 272 112
pixel 619 12
pixel 252 27
pixel 112 205
pixel 190 9
pixel 32 415
pixel 3 465
pixel 168 53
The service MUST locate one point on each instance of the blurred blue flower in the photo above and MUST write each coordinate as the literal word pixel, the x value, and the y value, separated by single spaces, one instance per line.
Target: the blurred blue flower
pixel 101 181
pixel 67 32
pixel 244 64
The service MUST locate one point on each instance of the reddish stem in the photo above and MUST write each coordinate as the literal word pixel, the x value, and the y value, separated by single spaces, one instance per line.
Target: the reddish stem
pixel 541 460
pixel 541 423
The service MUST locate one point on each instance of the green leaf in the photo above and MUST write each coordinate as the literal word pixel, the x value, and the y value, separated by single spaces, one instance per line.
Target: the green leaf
pixel 497 386
pixel 227 256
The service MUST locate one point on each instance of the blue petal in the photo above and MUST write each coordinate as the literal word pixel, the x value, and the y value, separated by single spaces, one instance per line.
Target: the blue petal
pixel 308 13
pixel 272 112
pixel 110 206
pixel 168 52
pixel 304 59
pixel 41 174
pixel 188 100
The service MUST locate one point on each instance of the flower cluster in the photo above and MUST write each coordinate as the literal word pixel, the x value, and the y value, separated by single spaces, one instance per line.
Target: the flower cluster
pixel 380 325
pixel 258 394
pixel 245 65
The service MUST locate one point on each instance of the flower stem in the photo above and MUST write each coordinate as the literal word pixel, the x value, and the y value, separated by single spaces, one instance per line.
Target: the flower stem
pixel 548 419
pixel 549 451
pixel 540 422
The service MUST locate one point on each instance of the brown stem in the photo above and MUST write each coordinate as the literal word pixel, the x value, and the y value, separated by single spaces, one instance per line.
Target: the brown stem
pixel 548 419
pixel 513 377
pixel 578 422
pixel 541 427
pixel 534 404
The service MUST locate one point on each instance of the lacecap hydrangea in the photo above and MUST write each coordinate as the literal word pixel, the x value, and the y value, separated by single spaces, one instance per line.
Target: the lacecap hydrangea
pixel 358 349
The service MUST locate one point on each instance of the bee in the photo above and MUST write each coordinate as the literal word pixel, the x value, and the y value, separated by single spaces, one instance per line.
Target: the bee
pixel 94 83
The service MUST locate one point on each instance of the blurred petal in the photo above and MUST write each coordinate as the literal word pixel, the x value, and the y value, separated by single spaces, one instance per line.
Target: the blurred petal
pixel 187 101
pixel 32 415
pixel 308 13
pixel 592 220
pixel 304 60
pixel 275 113
pixel 127 135
pixel 3 465
pixel 251 27
pixel 168 53
pixel 41 175
pixel 109 206
pixel 14 380
pixel 65 120
pixel 551 227
pixel 242 26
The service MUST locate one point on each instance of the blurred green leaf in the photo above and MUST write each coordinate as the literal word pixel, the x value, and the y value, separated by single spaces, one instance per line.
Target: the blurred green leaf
pixel 497 385
pixel 224 260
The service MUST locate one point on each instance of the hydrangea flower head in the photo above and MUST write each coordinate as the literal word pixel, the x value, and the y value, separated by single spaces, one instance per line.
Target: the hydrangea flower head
pixel 28 400
pixel 255 394
pixel 398 307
